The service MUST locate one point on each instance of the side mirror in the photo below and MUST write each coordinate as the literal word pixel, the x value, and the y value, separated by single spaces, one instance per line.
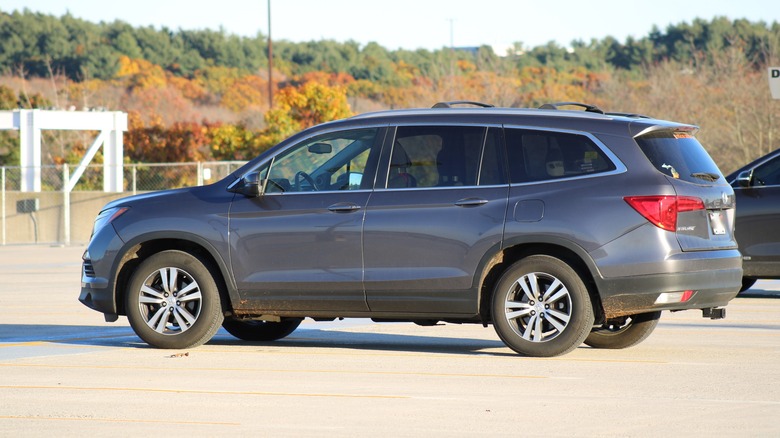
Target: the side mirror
pixel 745 178
pixel 249 186
pixel 320 148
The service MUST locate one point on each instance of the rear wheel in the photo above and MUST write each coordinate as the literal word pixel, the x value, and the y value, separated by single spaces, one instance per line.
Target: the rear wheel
pixel 623 332
pixel 250 330
pixel 173 301
pixel 541 307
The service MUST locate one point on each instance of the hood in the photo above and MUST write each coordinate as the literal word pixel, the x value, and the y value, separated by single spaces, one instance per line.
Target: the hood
pixel 153 196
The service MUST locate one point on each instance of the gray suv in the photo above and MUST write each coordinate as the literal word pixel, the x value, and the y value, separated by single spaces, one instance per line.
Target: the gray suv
pixel 556 226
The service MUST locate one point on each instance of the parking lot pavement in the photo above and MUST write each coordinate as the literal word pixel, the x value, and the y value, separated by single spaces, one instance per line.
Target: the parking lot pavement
pixel 64 371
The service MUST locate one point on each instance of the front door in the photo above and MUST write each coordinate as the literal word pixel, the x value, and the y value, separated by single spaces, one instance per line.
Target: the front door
pixel 298 246
pixel 756 226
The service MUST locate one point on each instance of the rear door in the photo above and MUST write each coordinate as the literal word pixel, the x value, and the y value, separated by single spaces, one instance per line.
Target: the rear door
pixel 438 208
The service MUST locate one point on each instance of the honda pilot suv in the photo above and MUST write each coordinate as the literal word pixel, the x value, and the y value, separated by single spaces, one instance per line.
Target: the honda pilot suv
pixel 556 226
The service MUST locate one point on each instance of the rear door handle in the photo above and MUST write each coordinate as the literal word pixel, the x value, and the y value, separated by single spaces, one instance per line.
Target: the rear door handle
pixel 471 202
pixel 344 207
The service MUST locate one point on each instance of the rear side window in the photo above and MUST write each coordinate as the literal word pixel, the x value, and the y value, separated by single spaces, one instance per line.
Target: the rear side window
pixel 436 156
pixel 680 156
pixel 546 155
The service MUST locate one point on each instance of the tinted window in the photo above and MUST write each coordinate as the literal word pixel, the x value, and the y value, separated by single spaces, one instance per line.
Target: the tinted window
pixel 767 174
pixel 436 156
pixel 679 155
pixel 493 170
pixel 543 155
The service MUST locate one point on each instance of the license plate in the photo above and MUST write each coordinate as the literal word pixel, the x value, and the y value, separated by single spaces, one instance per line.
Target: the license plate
pixel 717 222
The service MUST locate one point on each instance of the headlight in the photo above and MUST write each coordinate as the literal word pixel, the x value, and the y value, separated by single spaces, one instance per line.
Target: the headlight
pixel 106 217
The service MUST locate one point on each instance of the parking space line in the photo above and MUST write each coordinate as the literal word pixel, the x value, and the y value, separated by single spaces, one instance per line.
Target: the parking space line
pixel 117 420
pixel 445 355
pixel 280 371
pixel 204 392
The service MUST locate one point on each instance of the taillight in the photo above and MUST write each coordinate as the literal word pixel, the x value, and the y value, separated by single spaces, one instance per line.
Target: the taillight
pixel 662 211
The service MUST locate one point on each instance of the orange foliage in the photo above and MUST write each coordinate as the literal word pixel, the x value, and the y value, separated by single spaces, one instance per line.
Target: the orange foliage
pixel 324 78
pixel 190 89
pixel 154 143
pixel 466 66
pixel 234 142
pixel 245 93
pixel 299 107
pixel 540 85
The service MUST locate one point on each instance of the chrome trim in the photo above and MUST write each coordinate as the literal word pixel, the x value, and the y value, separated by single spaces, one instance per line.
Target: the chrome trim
pixel 755 187
pixel 619 166
pixel 408 189
pixel 567 179
pixel 312 192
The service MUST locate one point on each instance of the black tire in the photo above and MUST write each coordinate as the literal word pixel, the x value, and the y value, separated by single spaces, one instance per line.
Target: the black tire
pixel 747 283
pixel 260 331
pixel 623 332
pixel 173 302
pixel 541 307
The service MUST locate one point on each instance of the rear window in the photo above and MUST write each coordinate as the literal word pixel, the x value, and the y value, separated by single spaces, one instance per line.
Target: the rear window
pixel 680 156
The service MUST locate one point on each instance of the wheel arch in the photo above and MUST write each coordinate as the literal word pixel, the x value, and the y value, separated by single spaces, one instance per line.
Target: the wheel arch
pixel 140 248
pixel 575 256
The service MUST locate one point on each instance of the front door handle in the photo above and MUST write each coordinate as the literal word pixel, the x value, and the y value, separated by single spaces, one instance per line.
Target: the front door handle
pixel 471 202
pixel 344 207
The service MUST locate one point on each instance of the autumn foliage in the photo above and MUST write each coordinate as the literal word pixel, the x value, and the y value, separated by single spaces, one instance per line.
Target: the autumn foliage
pixel 296 108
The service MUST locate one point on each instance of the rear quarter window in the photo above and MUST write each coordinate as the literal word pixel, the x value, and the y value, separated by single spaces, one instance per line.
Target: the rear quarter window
pixel 680 156
pixel 547 155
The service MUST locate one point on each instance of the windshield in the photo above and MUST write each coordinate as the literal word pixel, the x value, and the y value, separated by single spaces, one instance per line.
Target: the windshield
pixel 680 156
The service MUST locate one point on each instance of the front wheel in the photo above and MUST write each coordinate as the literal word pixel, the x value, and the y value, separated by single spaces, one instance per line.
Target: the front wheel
pixel 172 301
pixel 541 307
pixel 262 331
pixel 623 332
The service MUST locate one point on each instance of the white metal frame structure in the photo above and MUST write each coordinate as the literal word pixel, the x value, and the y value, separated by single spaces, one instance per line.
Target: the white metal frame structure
pixel 30 123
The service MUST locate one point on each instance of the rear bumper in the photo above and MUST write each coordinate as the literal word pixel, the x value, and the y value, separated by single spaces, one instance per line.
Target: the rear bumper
pixel 639 294
pixel 761 269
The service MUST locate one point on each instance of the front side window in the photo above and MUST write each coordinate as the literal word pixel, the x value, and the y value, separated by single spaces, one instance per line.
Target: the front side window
pixel 330 162
pixel 767 174
pixel 436 156
pixel 547 155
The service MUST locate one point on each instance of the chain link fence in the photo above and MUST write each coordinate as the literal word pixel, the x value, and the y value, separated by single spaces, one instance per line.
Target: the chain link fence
pixel 56 216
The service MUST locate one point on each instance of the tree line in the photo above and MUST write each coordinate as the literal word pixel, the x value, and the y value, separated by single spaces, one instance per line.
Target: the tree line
pixel 38 44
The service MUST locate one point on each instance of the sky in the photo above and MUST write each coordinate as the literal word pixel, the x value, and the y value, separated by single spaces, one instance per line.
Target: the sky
pixel 413 24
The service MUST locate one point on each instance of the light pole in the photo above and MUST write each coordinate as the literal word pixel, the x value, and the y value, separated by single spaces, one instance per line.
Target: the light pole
pixel 270 62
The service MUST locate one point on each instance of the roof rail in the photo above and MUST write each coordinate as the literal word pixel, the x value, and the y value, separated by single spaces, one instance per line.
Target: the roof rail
pixel 588 108
pixel 630 115
pixel 461 102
